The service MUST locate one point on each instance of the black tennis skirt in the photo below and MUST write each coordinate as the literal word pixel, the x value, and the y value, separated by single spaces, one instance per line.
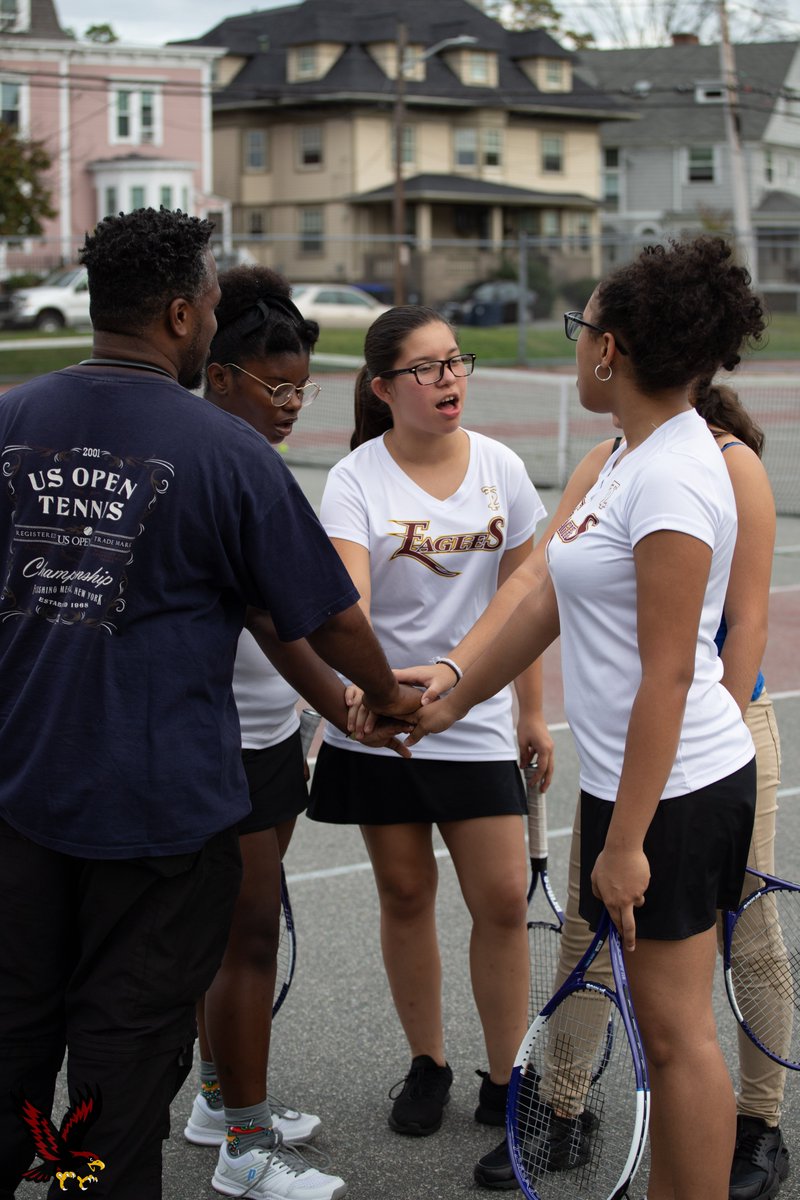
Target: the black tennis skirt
pixel 697 848
pixel 350 788
pixel 276 779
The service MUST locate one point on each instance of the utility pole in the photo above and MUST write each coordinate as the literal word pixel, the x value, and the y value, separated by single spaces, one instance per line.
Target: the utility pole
pixel 399 197
pixel 522 301
pixel 743 226
pixel 404 62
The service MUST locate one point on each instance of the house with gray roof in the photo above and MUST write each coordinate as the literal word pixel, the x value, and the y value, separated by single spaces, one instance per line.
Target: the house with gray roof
pixel 670 171
pixel 499 137
pixel 124 126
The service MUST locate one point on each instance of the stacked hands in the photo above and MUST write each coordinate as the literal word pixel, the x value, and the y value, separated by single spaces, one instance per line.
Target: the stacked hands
pixel 428 702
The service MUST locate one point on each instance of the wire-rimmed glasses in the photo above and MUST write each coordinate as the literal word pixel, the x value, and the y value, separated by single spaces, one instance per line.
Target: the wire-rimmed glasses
pixel 282 393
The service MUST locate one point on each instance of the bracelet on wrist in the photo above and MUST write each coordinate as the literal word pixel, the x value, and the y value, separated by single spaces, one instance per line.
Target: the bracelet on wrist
pixel 454 667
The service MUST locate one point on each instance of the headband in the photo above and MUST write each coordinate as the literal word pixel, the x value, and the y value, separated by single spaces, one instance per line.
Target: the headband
pixel 260 312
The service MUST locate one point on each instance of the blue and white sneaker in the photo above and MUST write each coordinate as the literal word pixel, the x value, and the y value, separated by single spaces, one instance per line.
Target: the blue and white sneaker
pixel 278 1173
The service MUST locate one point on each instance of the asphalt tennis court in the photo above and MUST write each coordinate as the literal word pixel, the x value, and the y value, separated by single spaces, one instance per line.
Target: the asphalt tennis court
pixel 337 1046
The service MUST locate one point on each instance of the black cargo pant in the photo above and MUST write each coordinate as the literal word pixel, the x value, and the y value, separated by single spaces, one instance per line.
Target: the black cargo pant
pixel 105 958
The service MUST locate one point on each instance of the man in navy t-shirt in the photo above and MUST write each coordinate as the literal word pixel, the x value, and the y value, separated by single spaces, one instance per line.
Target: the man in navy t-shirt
pixel 137 523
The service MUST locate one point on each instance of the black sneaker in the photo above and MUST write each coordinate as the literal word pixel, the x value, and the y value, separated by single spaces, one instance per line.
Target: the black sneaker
pixel 760 1160
pixel 494 1170
pixel 567 1143
pixel 419 1107
pixel 492 1099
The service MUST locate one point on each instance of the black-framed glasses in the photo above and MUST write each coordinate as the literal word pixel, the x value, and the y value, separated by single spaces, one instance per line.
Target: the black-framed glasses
pixel 573 321
pixel 432 372
pixel 282 393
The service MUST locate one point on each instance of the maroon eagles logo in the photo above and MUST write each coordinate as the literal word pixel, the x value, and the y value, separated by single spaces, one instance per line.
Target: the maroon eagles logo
pixel 570 530
pixel 416 544
pixel 62 1160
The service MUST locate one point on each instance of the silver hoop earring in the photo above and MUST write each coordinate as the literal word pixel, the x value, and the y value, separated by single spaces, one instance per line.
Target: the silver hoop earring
pixel 603 378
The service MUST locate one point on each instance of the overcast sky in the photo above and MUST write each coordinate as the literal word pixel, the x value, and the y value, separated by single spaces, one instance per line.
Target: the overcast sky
pixel 153 22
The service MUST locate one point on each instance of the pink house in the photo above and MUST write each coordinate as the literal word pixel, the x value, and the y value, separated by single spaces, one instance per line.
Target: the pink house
pixel 126 126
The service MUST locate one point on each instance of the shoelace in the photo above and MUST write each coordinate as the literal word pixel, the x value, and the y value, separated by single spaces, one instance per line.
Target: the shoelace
pixel 749 1145
pixel 280 1109
pixel 414 1081
pixel 289 1157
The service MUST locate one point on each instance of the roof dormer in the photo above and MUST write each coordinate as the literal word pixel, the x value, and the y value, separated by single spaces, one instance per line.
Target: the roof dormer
pixel 311 60
pixel 474 67
pixel 549 74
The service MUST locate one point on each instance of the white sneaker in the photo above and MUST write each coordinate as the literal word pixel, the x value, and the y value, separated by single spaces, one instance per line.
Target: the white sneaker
pixel 293 1126
pixel 206 1126
pixel 276 1174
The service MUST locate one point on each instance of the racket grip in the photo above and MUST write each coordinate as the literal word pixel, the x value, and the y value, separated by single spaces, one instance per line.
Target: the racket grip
pixel 309 723
pixel 537 818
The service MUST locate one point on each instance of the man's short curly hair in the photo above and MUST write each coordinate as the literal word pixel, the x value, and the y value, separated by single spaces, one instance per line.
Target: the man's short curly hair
pixel 682 311
pixel 138 262
pixel 239 337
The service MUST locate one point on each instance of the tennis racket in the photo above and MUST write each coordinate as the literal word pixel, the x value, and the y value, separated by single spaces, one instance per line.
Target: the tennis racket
pixel 287 938
pixel 545 915
pixel 578 1100
pixel 762 967
pixel 287 949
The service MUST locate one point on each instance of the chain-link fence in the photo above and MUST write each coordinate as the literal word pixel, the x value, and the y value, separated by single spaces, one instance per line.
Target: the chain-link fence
pixel 539 415
pixel 561 269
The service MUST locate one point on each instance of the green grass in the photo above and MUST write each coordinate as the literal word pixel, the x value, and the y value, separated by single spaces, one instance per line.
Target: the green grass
pixel 495 346
pixel 499 345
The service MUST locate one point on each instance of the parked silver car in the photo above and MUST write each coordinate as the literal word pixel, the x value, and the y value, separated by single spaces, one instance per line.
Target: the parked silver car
pixel 61 299
pixel 336 305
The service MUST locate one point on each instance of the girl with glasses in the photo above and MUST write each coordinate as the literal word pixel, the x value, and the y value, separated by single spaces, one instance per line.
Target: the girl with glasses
pixel 635 583
pixel 429 519
pixel 258 370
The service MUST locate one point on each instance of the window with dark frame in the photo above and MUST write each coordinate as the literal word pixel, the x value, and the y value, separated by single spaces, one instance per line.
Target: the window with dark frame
pixel 552 154
pixel 701 164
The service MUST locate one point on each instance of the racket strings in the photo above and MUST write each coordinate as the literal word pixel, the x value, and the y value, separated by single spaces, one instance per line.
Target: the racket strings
pixel 544 944
pixel 576 1117
pixel 765 971
pixel 285 959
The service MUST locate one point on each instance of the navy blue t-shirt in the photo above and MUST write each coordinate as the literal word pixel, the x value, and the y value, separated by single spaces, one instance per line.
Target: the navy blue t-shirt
pixel 137 522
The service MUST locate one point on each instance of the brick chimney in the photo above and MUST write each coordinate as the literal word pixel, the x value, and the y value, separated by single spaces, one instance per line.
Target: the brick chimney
pixel 685 39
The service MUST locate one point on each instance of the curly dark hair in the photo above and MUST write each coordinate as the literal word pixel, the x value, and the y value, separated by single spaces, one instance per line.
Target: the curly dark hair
pixel 138 262
pixel 681 311
pixel 256 317
pixel 720 406
pixel 382 346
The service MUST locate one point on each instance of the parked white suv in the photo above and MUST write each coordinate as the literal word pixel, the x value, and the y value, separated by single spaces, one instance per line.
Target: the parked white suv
pixel 62 299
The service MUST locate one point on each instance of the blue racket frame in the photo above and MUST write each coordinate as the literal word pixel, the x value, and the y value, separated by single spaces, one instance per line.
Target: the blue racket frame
pixel 291 943
pixel 577 980
pixel 771 884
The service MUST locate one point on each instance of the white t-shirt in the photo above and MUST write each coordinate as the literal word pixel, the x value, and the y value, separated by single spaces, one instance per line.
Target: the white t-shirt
pixel 265 701
pixel 434 567
pixel 677 480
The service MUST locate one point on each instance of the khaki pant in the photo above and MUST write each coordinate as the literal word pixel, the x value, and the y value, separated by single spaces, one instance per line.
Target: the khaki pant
pixel 761 1081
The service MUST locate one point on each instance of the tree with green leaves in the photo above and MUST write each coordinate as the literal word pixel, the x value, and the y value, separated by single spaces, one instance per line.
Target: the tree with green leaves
pixel 538 14
pixel 102 34
pixel 24 195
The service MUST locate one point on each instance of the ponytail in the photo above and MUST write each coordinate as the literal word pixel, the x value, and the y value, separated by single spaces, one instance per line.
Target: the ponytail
pixel 719 405
pixel 373 416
